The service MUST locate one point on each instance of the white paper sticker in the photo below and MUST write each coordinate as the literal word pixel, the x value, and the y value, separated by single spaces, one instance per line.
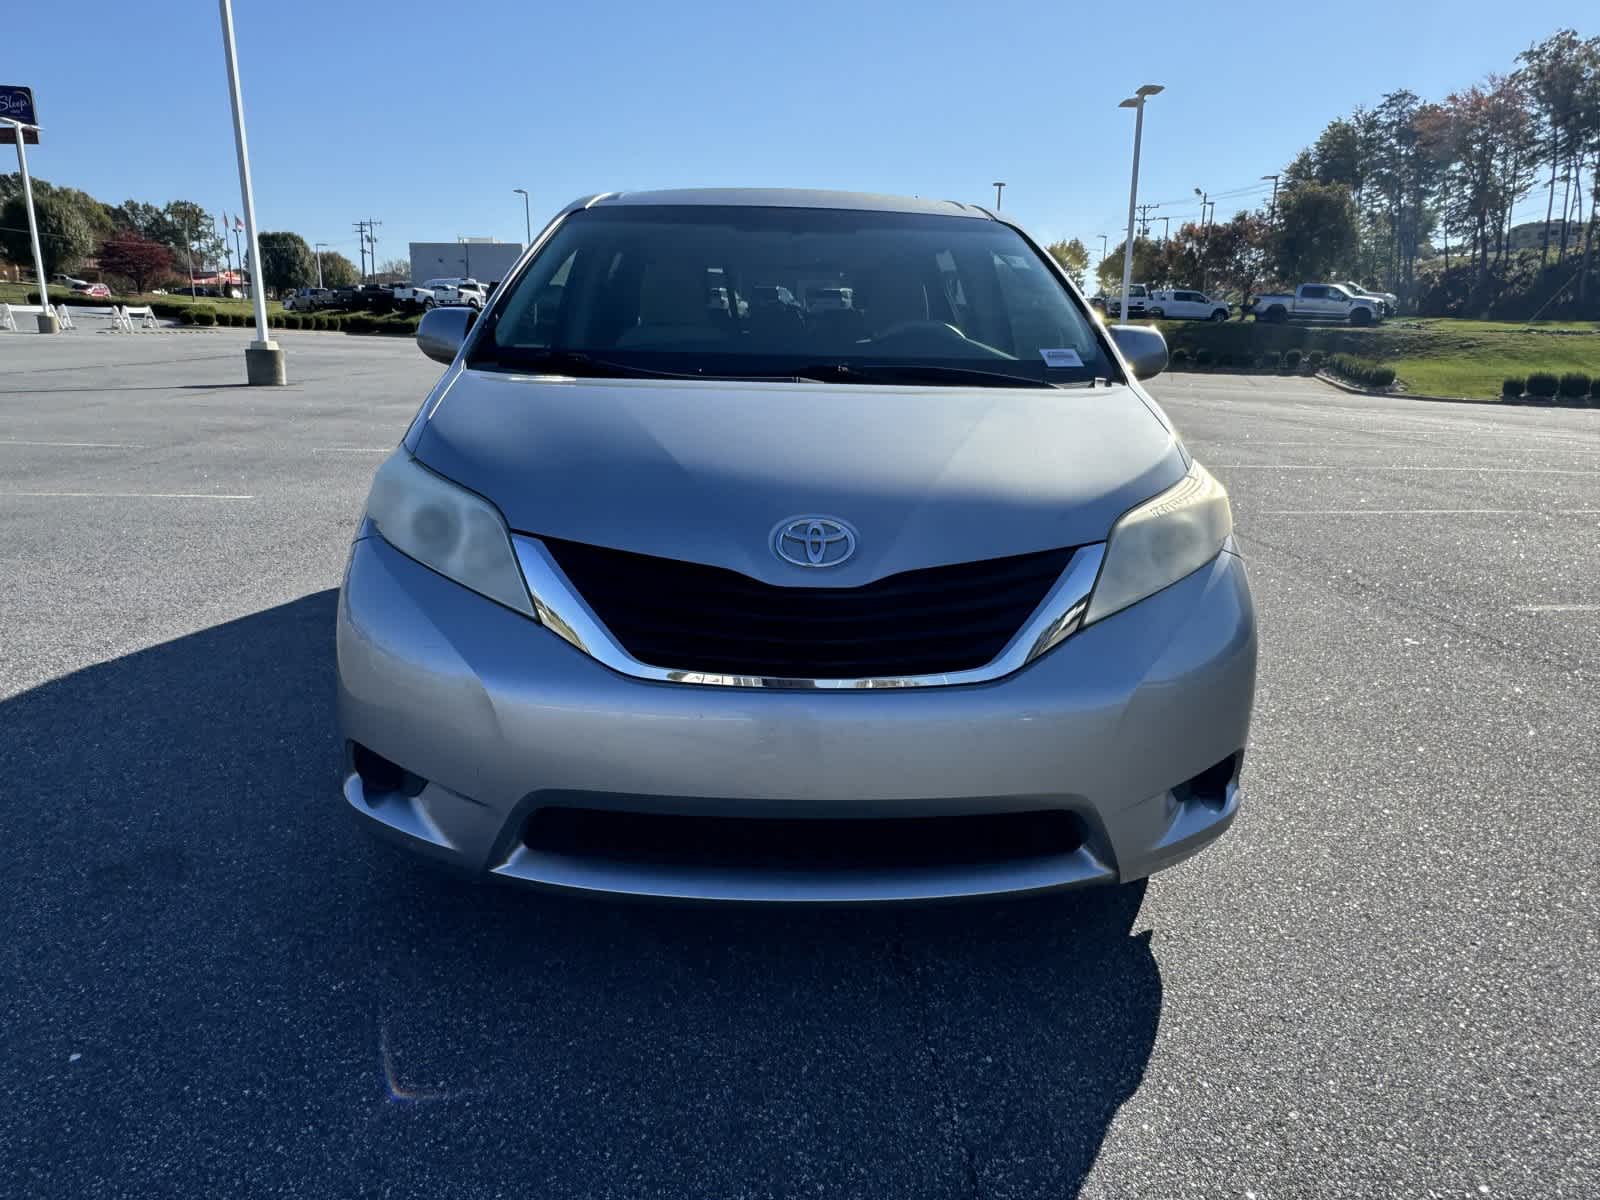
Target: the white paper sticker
pixel 1061 358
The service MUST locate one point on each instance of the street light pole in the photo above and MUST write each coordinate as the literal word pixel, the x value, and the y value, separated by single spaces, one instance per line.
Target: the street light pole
pixel 263 358
pixel 1135 102
pixel 999 187
pixel 527 221
pixel 319 247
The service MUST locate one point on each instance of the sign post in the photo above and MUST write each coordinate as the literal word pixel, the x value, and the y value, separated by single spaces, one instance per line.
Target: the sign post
pixel 16 111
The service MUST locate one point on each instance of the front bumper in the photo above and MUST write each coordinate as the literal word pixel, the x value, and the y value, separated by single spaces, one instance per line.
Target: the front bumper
pixel 495 719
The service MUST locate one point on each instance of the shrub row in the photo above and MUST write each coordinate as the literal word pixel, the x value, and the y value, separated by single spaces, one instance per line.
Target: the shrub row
pixel 1361 371
pixel 1270 360
pixel 1574 388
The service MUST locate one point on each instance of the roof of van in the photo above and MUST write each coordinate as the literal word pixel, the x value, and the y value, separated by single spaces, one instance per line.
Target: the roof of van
pixel 788 198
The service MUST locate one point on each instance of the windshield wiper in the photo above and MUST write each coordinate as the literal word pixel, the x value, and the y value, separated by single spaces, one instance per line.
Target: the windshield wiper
pixel 574 362
pixel 832 372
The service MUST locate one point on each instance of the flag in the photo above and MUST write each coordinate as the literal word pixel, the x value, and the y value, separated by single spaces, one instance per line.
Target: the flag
pixel 238 223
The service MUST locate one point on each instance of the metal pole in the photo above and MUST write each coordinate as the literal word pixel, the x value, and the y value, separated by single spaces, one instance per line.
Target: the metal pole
pixel 319 264
pixel 999 187
pixel 47 320
pixel 1133 199
pixel 267 364
pixel 527 219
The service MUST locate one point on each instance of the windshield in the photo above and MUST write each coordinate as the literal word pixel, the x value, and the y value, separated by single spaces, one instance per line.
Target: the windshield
pixel 794 292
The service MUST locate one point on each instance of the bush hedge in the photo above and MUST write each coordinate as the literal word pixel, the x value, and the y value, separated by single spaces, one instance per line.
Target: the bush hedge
pixel 1292 360
pixel 1361 371
pixel 1575 386
pixel 1180 358
pixel 1271 360
pixel 1203 356
pixel 1594 390
pixel 1543 385
pixel 1511 388
pixel 205 317
pixel 1317 358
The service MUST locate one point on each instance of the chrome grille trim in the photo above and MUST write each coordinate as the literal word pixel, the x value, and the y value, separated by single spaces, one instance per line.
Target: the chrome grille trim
pixel 566 614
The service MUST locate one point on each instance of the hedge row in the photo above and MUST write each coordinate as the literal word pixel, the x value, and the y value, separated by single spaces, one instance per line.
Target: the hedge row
pixel 1269 360
pixel 205 317
pixel 1361 371
pixel 1574 388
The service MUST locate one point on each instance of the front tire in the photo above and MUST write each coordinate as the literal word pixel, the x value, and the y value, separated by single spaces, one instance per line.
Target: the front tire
pixel 427 304
pixel 1220 315
pixel 1361 317
pixel 1276 315
pixel 1156 314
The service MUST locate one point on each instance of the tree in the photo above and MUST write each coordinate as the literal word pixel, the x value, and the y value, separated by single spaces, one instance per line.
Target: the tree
pixel 1317 235
pixel 138 258
pixel 286 262
pixel 1074 258
pixel 66 236
pixel 392 270
pixel 189 228
pixel 1147 265
pixel 337 270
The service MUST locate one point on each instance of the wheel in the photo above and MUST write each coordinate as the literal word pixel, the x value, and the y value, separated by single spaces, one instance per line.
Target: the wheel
pixel 1361 316
pixel 1155 314
pixel 1220 315
pixel 428 303
pixel 1276 315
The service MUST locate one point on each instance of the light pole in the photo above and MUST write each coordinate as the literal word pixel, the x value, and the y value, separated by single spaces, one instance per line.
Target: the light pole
pixel 999 187
pixel 527 221
pixel 1135 102
pixel 263 358
pixel 1102 261
pixel 1272 213
pixel 1205 233
pixel 319 247
pixel 47 319
pixel 1166 227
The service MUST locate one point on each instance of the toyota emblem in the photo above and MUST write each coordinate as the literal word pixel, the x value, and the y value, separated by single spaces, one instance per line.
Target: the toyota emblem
pixel 813 541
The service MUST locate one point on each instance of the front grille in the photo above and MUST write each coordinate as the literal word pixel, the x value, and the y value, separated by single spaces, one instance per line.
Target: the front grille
pixel 802 844
pixel 690 617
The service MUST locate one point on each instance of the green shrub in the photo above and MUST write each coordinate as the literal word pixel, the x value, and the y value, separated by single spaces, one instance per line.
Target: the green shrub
pixel 359 323
pixel 333 323
pixel 1180 358
pixel 1511 388
pixel 1574 385
pixel 1225 359
pixel 1292 360
pixel 1270 359
pixel 1543 385
pixel 1380 377
pixel 1203 357
pixel 205 317
pixel 1594 389
pixel 186 315
pixel 1317 359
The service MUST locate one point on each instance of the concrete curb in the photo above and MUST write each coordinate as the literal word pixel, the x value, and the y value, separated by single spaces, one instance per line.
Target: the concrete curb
pixel 1354 390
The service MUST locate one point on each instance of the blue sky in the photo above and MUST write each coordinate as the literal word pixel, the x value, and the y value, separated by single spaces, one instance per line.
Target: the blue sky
pixel 390 110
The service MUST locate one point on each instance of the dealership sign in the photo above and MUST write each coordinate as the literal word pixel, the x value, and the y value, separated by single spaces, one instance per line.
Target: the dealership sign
pixel 16 104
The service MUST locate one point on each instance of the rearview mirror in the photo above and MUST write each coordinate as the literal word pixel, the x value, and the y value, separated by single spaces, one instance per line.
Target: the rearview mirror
pixel 442 331
pixel 1143 347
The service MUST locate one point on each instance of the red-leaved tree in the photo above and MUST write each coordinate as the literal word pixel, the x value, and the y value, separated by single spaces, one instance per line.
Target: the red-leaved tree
pixel 135 257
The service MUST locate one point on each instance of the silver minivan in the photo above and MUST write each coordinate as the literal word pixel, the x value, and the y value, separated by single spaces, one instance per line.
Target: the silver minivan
pixel 920 596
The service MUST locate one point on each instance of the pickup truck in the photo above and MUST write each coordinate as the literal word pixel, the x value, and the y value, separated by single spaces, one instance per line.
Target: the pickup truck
pixel 1318 302
pixel 455 291
pixel 1138 295
pixel 1178 304
pixel 1391 302
pixel 412 295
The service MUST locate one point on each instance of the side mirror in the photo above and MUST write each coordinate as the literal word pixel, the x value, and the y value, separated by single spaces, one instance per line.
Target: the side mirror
pixel 442 331
pixel 1143 347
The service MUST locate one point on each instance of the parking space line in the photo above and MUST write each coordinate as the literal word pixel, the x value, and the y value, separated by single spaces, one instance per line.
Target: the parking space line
pixel 76 445
pixel 1428 512
pixel 1355 468
pixel 352 449
pixel 1558 608
pixel 126 495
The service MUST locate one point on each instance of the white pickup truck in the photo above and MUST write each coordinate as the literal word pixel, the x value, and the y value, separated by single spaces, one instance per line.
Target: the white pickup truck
pixel 1318 302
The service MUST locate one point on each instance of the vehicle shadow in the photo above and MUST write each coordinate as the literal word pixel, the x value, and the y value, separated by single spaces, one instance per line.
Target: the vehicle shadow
pixel 212 980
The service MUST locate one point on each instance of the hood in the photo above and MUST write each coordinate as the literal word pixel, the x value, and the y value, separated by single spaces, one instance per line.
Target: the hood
pixel 705 470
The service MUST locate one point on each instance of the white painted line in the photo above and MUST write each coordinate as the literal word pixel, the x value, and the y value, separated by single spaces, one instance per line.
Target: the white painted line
pixel 352 449
pixel 1428 512
pixel 1559 608
pixel 76 445
pixel 126 495
pixel 1356 469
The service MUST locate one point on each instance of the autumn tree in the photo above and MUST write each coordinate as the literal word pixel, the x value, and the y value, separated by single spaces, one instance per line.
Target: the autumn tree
pixel 66 233
pixel 1073 256
pixel 136 258
pixel 338 271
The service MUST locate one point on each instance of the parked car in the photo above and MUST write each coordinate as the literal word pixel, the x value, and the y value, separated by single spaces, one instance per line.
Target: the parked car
pixel 1178 304
pixel 308 299
pixel 1391 302
pixel 347 298
pixel 1138 297
pixel 458 291
pixel 410 295
pixel 1318 302
pixel 67 281
pixel 91 289
pixel 863 608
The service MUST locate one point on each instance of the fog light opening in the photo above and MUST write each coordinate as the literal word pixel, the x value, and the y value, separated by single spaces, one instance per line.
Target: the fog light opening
pixel 380 777
pixel 1210 787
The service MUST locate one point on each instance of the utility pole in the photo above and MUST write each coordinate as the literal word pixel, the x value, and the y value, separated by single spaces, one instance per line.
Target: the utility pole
pixel 1166 226
pixel 1272 213
pixel 227 254
pixel 47 319
pixel 999 186
pixel 372 241
pixel 1205 233
pixel 1135 102
pixel 1145 218
pixel 361 244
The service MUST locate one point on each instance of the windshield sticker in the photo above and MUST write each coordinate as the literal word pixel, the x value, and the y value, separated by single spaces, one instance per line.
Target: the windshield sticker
pixel 1061 358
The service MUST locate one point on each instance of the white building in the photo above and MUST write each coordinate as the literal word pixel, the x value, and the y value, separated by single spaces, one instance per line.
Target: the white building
pixel 483 259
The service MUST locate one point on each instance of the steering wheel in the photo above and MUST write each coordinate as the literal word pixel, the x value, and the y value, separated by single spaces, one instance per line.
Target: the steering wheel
pixel 940 335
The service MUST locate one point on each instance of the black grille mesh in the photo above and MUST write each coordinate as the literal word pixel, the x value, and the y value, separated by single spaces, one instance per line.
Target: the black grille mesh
pixel 687 616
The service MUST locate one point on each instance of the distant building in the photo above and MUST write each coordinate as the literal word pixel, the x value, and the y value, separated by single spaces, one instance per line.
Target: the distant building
pixel 483 259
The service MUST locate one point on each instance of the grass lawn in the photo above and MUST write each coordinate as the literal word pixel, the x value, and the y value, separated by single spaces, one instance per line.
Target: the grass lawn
pixel 15 293
pixel 1436 357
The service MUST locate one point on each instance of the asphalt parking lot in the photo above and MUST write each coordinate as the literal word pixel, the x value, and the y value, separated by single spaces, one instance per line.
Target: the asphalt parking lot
pixel 1385 982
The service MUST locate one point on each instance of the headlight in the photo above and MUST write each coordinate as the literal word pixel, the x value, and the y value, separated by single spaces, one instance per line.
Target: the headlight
pixel 1161 541
pixel 458 534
